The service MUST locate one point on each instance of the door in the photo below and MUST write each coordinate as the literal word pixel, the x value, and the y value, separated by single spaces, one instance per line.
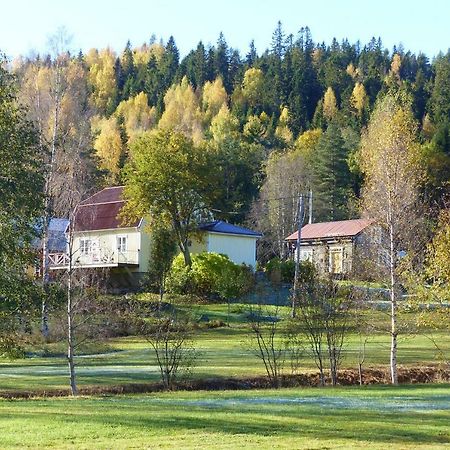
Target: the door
pixel 336 260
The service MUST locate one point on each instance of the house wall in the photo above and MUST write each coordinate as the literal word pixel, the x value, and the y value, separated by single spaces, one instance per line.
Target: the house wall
pixel 199 244
pixel 321 254
pixel 240 249
pixel 137 250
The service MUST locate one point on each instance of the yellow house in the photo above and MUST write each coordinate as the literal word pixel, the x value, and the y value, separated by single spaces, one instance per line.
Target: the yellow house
pixel 100 240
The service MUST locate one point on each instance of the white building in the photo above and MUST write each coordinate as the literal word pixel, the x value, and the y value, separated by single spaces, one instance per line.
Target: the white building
pixel 100 240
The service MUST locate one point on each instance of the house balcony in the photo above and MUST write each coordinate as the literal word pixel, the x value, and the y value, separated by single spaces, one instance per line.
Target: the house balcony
pixel 101 259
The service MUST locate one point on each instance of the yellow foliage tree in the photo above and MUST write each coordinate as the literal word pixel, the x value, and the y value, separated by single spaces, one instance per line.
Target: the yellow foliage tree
pixel 138 116
pixel 329 104
pixel 359 99
pixel 224 125
pixel 108 145
pixel 253 85
pixel 102 77
pixel 256 126
pixel 214 97
pixel 182 111
pixel 396 65
pixel 392 173
pixel 306 143
pixel 282 131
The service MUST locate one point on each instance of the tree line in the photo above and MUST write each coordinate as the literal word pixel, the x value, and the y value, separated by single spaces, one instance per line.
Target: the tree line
pixel 236 138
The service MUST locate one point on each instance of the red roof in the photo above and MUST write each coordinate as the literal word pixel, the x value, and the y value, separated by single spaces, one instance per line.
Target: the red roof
pixel 326 230
pixel 107 195
pixel 101 211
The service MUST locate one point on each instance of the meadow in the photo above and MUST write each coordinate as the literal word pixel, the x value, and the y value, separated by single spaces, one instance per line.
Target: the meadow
pixel 373 417
pixel 222 352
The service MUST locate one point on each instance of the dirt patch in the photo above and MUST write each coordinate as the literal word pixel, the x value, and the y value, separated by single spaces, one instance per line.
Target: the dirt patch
pixel 346 377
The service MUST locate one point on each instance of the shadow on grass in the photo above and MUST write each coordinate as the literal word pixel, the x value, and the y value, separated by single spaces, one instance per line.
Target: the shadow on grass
pixel 164 417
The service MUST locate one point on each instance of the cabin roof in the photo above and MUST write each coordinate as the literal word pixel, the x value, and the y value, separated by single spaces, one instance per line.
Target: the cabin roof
pixel 330 230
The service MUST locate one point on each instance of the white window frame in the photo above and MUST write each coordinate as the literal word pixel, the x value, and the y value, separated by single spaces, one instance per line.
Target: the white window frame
pixel 330 252
pixel 122 243
pixel 306 254
pixel 85 246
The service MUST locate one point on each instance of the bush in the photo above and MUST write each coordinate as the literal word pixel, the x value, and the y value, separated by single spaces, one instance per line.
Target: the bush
pixel 211 275
pixel 284 271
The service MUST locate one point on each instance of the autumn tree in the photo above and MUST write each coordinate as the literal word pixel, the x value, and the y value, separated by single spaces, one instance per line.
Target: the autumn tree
pixel 282 130
pixel 56 97
pixel 102 79
pixel 390 192
pixel 329 104
pixel 108 146
pixel 168 180
pixel 237 166
pixel 276 211
pixel 359 100
pixel 253 88
pixel 182 111
pixel 214 97
pixel 137 115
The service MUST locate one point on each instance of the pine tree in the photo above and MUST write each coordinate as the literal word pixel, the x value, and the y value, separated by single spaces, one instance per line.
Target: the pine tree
pixel 128 80
pixel 222 61
pixel 252 55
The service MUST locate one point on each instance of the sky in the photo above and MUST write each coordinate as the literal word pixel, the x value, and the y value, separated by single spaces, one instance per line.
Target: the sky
pixel 26 25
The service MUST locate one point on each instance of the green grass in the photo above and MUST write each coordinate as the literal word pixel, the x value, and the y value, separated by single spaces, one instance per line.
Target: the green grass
pixel 222 352
pixel 408 417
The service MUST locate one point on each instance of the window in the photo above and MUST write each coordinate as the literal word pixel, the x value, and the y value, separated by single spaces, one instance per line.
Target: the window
pixel 306 255
pixel 85 246
pixel 121 244
pixel 336 260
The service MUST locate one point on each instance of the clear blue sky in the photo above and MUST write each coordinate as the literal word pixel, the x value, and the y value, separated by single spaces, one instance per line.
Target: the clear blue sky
pixel 419 25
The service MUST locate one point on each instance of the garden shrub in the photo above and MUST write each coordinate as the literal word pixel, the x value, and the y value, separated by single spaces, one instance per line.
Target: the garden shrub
pixel 284 271
pixel 211 275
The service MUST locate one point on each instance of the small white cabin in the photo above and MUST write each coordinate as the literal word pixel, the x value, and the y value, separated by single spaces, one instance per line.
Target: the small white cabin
pixel 238 243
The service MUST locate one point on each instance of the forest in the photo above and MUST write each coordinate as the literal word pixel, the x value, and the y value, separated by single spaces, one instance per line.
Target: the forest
pixel 271 124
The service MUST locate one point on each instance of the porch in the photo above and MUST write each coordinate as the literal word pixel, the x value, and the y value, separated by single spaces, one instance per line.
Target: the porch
pixel 101 259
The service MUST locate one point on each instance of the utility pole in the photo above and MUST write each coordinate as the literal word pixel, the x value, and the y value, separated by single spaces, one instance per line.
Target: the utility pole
pixel 310 207
pixel 300 216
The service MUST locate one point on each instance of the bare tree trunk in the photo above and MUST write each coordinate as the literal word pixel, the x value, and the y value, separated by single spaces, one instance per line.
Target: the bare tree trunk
pixel 393 289
pixel 47 209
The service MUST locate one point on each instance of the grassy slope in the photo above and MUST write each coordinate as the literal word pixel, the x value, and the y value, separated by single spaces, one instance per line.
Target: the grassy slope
pixel 222 353
pixel 408 417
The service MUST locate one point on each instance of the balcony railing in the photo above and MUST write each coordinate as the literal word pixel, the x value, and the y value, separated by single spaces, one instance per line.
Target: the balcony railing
pixel 99 258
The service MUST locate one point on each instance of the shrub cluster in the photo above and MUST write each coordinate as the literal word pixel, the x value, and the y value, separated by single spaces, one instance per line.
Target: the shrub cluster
pixel 211 275
pixel 284 271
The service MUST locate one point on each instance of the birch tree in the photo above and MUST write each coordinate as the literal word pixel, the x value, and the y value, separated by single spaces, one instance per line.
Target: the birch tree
pixel 390 193
pixel 43 91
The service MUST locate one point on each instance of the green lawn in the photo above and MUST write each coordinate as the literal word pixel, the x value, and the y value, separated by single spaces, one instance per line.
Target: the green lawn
pixel 222 352
pixel 407 417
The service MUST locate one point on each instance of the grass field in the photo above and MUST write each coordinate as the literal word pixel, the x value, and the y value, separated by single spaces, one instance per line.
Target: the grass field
pixel 407 417
pixel 222 352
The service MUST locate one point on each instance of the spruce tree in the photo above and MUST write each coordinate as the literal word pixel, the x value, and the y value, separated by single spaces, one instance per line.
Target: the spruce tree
pixel 332 178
